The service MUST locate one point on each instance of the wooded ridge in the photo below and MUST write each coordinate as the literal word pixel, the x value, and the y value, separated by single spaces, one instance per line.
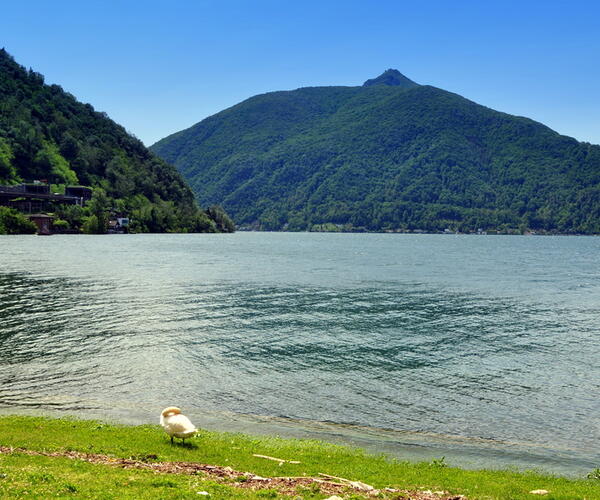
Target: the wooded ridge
pixel 390 155
pixel 46 134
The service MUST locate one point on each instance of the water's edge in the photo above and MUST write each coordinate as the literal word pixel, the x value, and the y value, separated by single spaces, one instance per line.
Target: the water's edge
pixel 457 451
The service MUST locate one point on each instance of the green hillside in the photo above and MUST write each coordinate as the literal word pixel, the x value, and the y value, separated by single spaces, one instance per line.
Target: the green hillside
pixel 389 155
pixel 45 133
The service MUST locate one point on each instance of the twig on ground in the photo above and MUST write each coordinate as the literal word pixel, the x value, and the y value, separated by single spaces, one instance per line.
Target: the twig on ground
pixel 356 484
pixel 280 460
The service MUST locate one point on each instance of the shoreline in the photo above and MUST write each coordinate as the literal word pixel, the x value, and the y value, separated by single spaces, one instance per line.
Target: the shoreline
pixel 422 232
pixel 393 232
pixel 125 460
pixel 471 453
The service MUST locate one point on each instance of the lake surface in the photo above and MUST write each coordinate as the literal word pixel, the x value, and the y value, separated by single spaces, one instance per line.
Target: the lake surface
pixel 484 349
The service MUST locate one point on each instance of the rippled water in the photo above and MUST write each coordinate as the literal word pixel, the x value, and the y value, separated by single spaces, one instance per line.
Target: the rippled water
pixel 485 349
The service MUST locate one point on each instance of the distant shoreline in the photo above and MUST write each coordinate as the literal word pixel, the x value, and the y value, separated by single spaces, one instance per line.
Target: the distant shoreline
pixel 486 233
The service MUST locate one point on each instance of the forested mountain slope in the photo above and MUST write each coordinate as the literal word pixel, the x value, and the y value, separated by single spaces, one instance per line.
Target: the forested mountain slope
pixel 389 155
pixel 45 133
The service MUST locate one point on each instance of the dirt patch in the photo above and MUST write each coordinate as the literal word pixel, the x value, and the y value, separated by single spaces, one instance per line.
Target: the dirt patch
pixel 284 485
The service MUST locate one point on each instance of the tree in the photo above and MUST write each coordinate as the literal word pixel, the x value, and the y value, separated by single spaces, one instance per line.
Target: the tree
pixel 69 147
pixel 13 222
pixel 50 160
pixel 222 221
pixel 8 173
pixel 99 206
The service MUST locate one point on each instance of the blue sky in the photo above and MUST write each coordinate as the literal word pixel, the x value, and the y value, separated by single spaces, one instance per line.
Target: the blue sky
pixel 159 67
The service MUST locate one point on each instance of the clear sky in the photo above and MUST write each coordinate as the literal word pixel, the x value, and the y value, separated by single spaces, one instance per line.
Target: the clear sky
pixel 159 67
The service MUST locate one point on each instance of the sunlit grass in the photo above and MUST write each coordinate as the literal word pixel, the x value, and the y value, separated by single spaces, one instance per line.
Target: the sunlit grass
pixel 236 451
pixel 23 476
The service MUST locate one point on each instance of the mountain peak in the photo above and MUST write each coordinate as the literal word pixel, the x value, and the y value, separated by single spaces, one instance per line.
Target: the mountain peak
pixel 391 77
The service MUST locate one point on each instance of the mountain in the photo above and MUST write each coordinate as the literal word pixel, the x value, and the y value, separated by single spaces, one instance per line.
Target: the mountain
pixel 388 155
pixel 45 133
pixel 393 78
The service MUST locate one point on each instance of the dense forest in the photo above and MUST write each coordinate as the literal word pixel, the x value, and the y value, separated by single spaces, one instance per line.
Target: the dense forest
pixel 45 133
pixel 388 155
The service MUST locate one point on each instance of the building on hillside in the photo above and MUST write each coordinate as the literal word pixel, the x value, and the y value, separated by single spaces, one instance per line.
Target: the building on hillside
pixel 36 187
pixel 118 225
pixel 36 197
pixel 43 223
pixel 83 193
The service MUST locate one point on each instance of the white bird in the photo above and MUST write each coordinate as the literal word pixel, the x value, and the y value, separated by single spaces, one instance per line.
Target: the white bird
pixel 176 425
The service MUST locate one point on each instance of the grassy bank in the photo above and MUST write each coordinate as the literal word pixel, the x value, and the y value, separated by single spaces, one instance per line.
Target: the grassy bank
pixel 25 473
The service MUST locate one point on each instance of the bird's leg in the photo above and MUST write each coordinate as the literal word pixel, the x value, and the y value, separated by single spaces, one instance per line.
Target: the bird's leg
pixel 171 439
pixel 183 439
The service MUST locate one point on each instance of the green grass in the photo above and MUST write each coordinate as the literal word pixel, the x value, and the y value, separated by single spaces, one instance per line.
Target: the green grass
pixel 28 473
pixel 52 477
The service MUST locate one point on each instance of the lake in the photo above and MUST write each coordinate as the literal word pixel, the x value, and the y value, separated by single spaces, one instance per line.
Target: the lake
pixel 482 349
